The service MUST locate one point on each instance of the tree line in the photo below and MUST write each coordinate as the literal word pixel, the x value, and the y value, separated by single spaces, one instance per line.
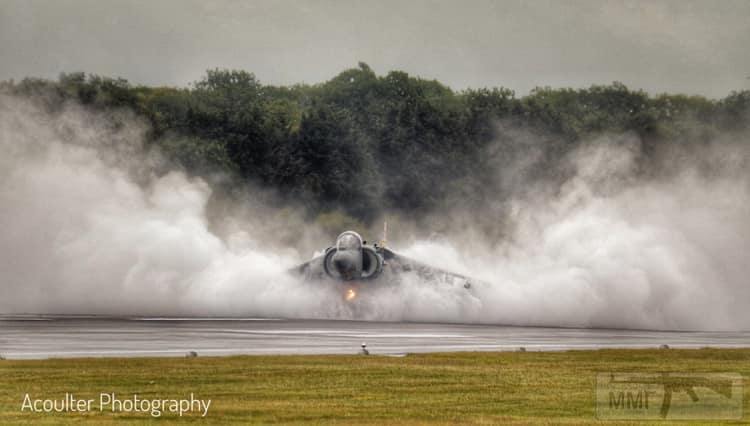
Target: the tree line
pixel 363 144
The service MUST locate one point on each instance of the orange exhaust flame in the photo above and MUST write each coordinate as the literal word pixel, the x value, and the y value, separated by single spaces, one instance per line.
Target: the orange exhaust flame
pixel 350 295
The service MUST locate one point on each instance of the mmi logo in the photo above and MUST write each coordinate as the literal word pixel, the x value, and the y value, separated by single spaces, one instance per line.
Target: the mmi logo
pixel 627 400
pixel 639 396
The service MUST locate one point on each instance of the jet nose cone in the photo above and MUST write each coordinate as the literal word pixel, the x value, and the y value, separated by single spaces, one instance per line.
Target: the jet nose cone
pixel 344 264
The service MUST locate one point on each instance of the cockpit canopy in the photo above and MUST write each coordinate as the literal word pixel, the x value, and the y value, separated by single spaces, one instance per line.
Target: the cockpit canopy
pixel 349 240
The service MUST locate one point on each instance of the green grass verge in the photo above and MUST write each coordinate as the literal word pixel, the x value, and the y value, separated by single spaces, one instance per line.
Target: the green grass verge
pixel 481 388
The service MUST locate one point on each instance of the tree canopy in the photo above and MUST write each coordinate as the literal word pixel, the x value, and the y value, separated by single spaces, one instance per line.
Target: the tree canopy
pixel 362 143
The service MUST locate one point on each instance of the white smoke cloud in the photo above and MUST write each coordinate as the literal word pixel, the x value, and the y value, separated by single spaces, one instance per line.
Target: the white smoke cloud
pixel 92 223
pixel 87 227
pixel 613 250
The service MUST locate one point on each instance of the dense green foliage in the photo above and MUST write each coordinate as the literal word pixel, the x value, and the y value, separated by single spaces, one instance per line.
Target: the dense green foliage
pixel 363 143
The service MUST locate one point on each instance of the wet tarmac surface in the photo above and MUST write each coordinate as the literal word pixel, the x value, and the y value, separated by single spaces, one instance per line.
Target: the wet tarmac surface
pixel 46 337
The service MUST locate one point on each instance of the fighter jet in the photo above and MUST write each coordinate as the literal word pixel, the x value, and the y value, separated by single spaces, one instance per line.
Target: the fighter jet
pixel 355 266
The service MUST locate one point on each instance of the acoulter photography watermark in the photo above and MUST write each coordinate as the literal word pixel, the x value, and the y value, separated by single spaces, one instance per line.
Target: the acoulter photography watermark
pixel 116 403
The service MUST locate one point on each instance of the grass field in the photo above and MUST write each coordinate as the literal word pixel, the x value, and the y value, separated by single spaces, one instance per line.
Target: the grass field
pixel 483 388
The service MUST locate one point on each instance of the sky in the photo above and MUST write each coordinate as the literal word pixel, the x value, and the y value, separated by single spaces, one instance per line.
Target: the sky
pixel 686 46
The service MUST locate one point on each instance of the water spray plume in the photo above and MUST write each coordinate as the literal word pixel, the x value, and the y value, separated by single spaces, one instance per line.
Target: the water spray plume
pixel 94 221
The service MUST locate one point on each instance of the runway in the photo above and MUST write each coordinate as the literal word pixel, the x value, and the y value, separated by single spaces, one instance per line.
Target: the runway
pixel 52 337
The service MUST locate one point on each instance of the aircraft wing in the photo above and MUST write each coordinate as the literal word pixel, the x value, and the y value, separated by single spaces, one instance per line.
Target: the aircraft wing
pixel 310 269
pixel 398 263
